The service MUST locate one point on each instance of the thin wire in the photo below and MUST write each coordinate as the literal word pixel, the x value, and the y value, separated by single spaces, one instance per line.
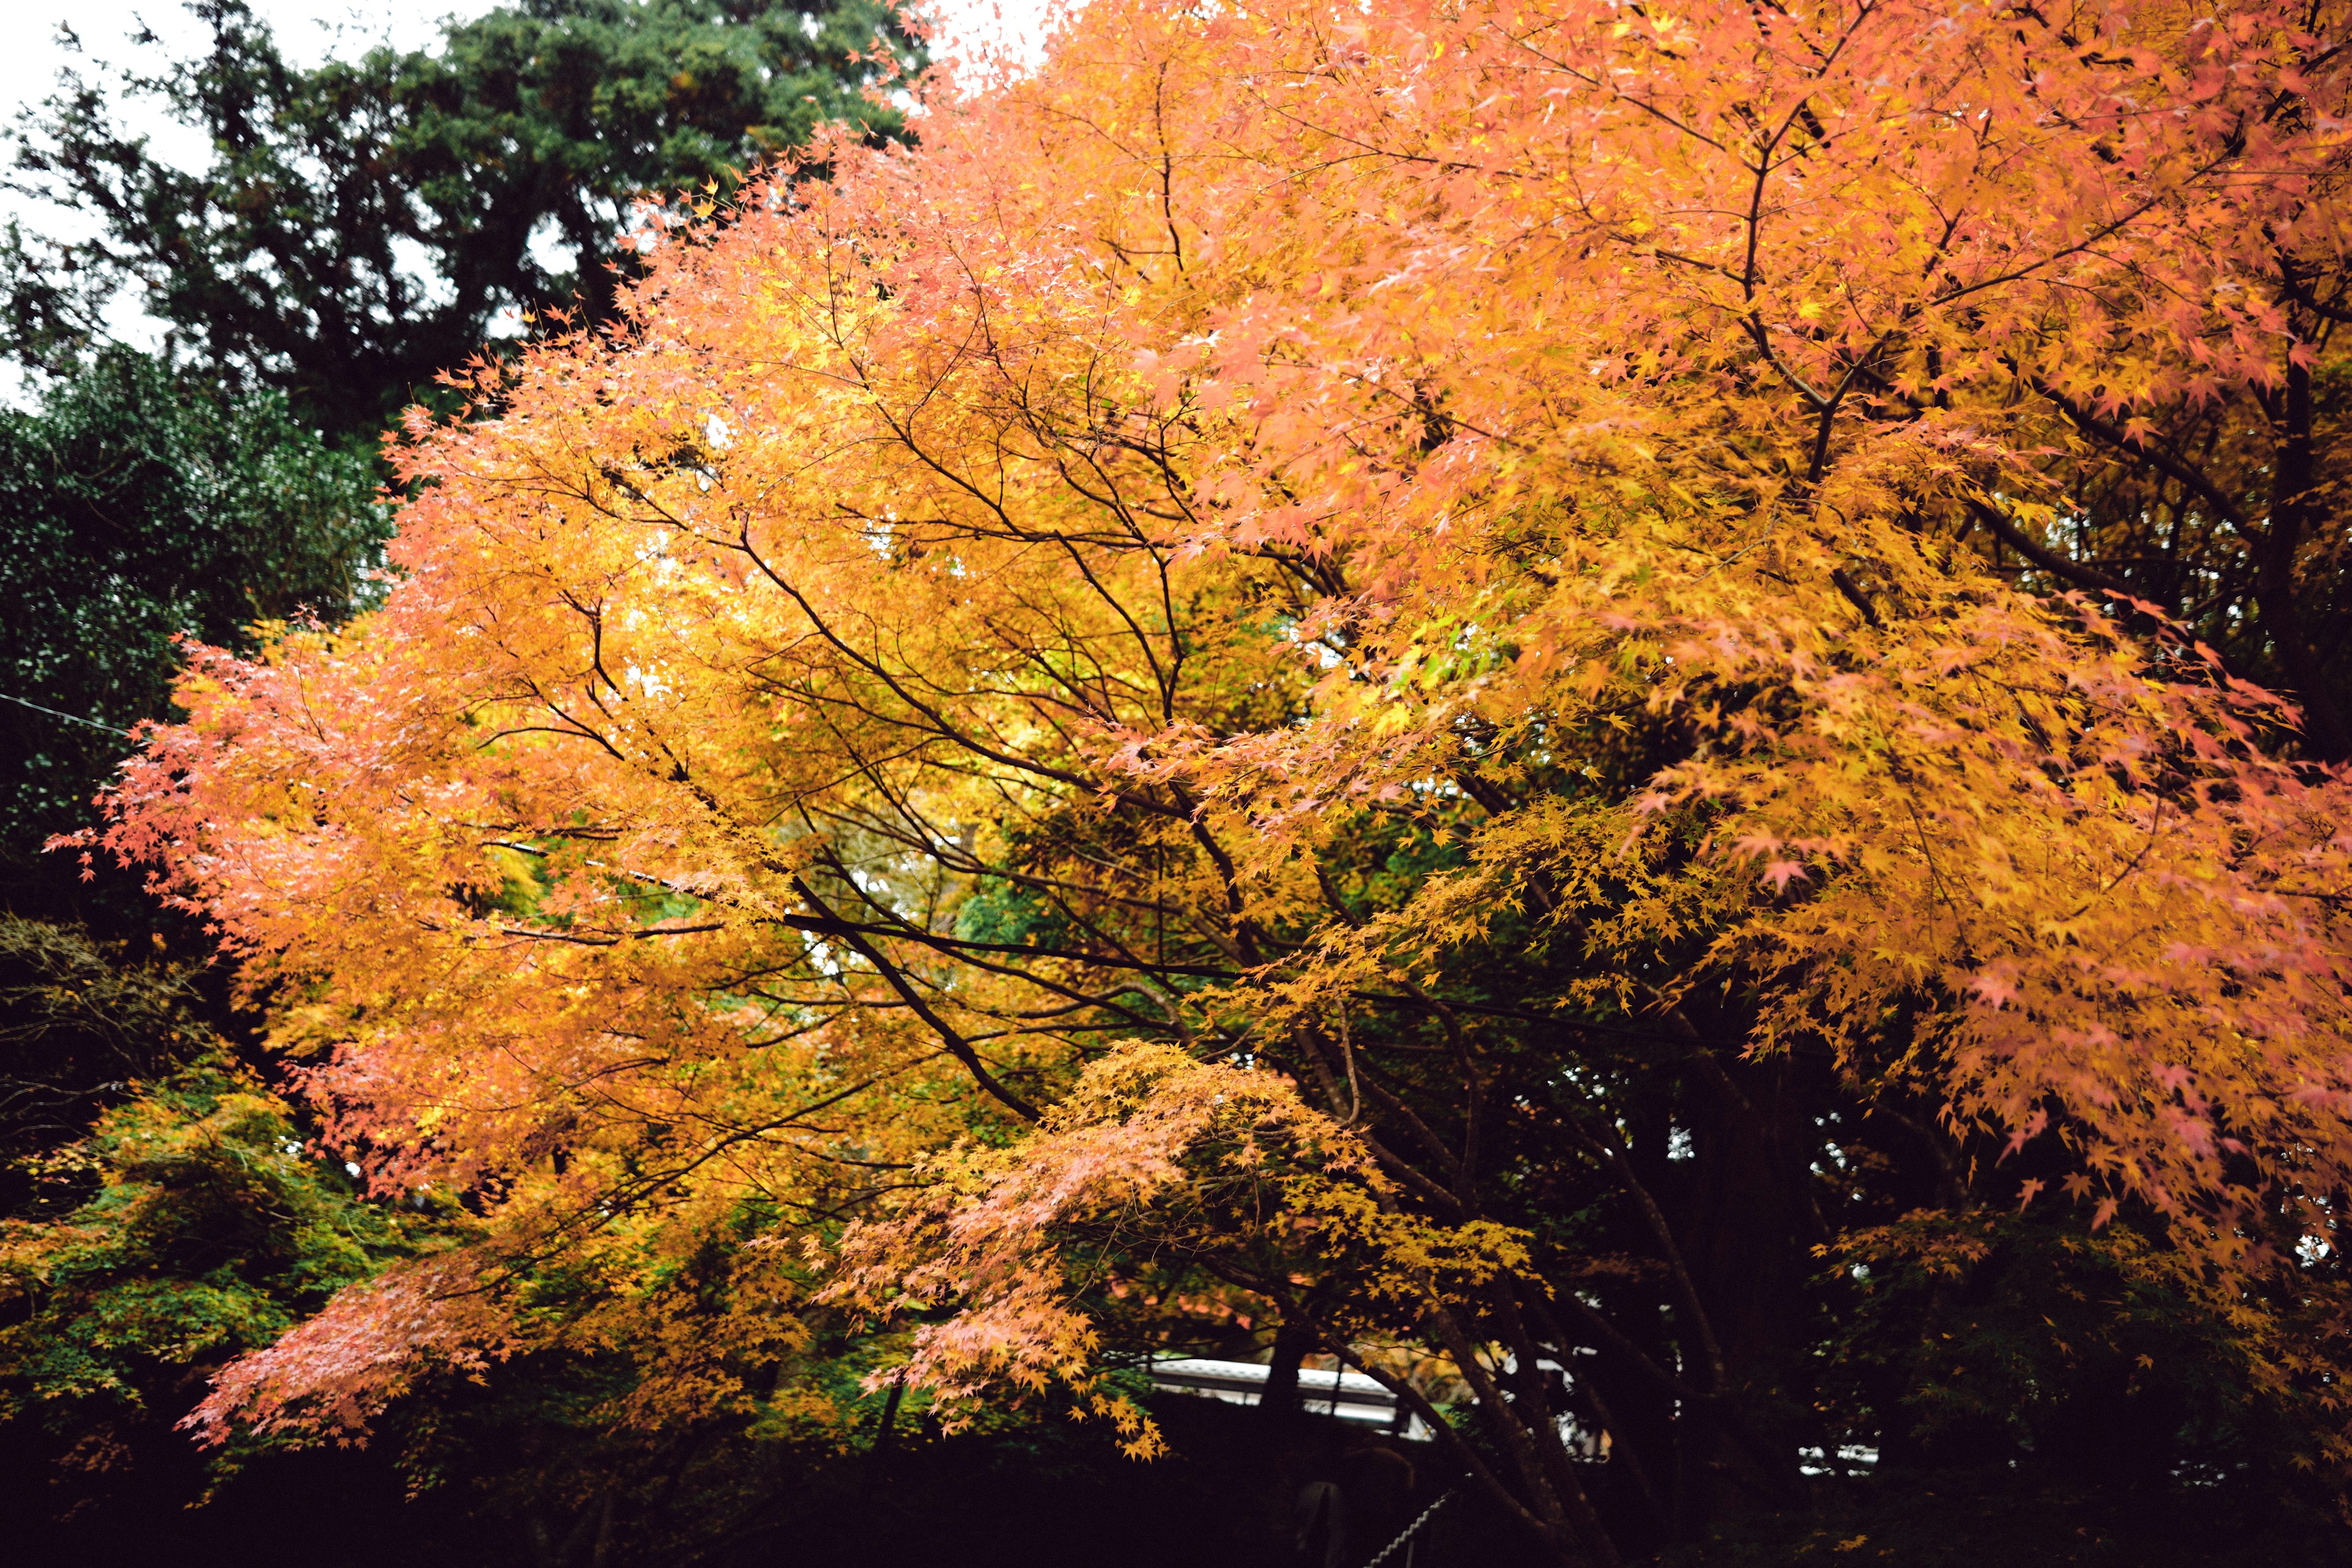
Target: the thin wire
pixel 69 718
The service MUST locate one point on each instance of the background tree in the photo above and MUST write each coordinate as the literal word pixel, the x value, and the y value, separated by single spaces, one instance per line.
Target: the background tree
pixel 155 1220
pixel 162 1215
pixel 140 510
pixel 368 224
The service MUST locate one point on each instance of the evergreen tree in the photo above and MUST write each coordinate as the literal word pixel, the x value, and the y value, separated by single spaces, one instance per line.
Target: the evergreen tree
pixel 368 224
pixel 137 510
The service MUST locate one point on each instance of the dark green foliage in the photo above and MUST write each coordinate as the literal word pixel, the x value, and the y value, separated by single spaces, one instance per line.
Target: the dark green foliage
pixel 368 225
pixel 1011 914
pixel 135 510
pixel 156 1216
pixel 80 1023
pixel 205 1228
pixel 189 1223
pixel 2093 1357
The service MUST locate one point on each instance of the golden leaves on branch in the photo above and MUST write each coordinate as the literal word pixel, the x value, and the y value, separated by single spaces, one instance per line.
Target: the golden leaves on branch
pixel 1567 433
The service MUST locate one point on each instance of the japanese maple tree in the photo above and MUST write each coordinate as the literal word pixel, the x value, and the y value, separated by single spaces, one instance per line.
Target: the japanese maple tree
pixel 1453 675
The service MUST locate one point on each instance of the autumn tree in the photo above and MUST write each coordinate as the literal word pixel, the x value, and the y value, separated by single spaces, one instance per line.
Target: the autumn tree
pixel 1464 677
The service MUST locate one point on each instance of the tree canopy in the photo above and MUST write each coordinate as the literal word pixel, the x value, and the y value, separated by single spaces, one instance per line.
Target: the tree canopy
pixel 1473 677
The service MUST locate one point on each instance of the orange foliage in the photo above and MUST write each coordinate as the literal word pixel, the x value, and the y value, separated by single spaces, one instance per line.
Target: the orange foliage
pixel 943 659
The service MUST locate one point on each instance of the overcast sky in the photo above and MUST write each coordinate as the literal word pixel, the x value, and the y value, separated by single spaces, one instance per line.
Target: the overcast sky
pixel 308 30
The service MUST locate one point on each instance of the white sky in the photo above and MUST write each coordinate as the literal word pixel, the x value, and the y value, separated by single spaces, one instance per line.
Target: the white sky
pixel 308 31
